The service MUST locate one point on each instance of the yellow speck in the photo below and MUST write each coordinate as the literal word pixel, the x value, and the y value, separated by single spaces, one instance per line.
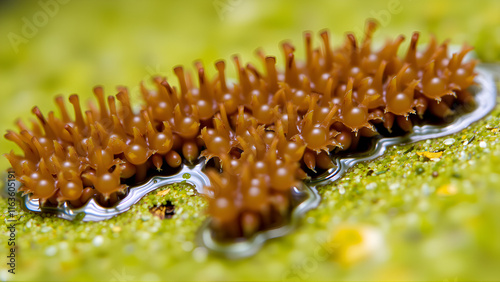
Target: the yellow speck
pixel 352 243
pixel 430 155
pixel 494 129
pixel 464 136
pixel 324 219
pixel 163 193
pixel 447 190
pixel 116 229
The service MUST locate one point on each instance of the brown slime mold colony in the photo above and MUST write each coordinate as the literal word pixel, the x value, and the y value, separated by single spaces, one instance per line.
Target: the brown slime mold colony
pixel 260 136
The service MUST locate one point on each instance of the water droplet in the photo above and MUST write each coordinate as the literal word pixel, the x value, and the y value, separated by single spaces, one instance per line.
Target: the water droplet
pixel 449 141
pixel 50 251
pixel 98 240
pixel 394 186
pixel 425 189
pixel 63 245
pixel 187 246
pixel 200 254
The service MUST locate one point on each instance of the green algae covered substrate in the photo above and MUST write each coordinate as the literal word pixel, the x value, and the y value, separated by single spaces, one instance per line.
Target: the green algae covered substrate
pixel 402 216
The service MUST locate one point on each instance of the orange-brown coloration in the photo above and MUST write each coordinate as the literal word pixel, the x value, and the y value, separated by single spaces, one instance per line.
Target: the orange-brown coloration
pixel 263 131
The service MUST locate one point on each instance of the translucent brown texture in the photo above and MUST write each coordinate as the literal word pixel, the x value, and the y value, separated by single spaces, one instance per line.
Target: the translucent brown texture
pixel 265 133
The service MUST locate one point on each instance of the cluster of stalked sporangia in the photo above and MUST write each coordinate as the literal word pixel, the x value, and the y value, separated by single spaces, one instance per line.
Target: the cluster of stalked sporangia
pixel 262 134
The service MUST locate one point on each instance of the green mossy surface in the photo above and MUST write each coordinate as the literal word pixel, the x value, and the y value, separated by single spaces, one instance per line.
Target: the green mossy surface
pixel 400 217
pixel 429 218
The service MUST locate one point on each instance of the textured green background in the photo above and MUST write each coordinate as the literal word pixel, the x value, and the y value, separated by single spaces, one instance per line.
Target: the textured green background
pixel 426 235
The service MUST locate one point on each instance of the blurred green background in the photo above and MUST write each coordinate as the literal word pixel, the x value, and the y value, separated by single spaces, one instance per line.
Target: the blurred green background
pixel 52 47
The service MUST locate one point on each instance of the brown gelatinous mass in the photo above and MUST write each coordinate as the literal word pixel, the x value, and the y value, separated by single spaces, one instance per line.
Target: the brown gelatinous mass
pixel 266 132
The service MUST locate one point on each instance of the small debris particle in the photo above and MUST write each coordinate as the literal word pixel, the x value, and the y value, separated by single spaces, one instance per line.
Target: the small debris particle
pixel 430 155
pixel 494 129
pixel 471 139
pixel 449 141
pixel 370 172
pixel 420 170
pixel 482 144
pixel 116 229
pixel 435 174
pixel 447 190
pixel 163 193
pixel 164 211
pixel 380 172
pixel 409 150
